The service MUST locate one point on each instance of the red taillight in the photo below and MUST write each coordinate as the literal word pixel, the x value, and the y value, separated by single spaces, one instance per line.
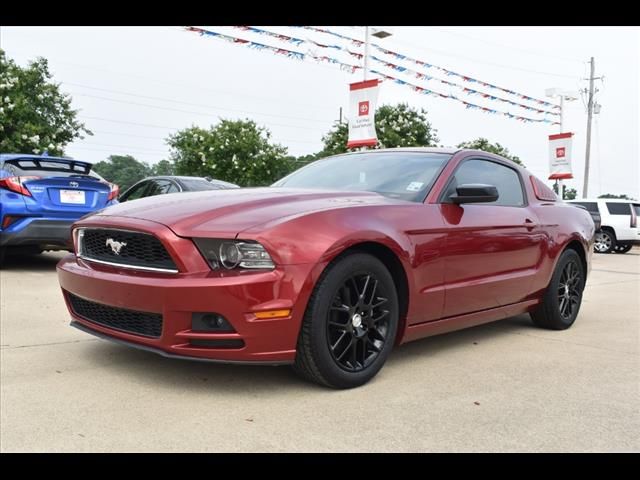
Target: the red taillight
pixel 115 191
pixel 15 184
pixel 8 220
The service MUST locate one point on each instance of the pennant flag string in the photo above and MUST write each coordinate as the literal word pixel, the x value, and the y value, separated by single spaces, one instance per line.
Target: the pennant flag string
pixel 466 90
pixel 465 78
pixel 353 68
pixel 299 41
pixel 284 38
pixel 248 43
pixel 468 105
pixel 399 68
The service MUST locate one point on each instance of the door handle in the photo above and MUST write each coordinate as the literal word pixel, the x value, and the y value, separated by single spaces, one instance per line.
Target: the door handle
pixel 529 224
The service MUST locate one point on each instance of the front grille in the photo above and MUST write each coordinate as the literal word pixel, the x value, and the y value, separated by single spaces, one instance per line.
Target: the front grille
pixel 129 321
pixel 129 249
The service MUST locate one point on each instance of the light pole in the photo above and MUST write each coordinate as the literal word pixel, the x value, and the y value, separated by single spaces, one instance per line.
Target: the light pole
pixel 376 32
pixel 570 97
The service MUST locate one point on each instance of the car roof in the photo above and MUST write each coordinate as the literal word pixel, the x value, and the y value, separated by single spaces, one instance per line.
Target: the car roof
pixel 187 177
pixel 444 150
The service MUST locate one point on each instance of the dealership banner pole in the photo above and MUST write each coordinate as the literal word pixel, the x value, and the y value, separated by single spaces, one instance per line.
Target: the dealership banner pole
pixel 363 97
pixel 560 183
pixel 560 156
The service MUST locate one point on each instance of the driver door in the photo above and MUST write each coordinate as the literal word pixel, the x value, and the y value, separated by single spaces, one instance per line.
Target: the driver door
pixel 492 250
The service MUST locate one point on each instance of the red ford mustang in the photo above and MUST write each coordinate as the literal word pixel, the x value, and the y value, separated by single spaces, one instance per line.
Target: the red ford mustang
pixel 333 265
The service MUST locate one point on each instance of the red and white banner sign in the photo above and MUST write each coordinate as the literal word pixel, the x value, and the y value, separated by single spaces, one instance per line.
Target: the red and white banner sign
pixel 362 126
pixel 560 156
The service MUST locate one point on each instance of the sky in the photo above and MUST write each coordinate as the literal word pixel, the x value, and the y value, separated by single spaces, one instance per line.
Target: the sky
pixel 136 85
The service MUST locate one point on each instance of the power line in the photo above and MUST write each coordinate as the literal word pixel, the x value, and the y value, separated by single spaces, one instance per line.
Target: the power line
pixel 163 138
pixel 189 86
pixel 524 50
pixel 144 149
pixel 178 109
pixel 104 132
pixel 124 122
pixel 192 104
pixel 472 59
pixel 110 150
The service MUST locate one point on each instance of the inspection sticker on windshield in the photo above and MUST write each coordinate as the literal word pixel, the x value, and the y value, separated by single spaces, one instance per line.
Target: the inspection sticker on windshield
pixel 415 186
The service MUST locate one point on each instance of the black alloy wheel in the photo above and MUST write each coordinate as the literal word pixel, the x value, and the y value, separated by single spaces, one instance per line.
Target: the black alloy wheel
pixel 560 304
pixel 350 323
pixel 570 289
pixel 358 323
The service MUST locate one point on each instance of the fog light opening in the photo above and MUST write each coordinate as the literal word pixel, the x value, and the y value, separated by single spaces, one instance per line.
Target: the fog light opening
pixel 210 322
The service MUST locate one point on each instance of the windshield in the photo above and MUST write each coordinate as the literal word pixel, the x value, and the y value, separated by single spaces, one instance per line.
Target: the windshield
pixel 404 175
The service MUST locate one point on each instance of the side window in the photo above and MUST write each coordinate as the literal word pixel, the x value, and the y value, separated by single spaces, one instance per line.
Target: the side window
pixel 505 179
pixel 590 206
pixel 159 187
pixel 136 192
pixel 173 188
pixel 618 208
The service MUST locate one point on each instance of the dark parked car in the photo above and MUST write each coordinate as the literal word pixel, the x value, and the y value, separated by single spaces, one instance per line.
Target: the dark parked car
pixel 152 186
pixel 333 265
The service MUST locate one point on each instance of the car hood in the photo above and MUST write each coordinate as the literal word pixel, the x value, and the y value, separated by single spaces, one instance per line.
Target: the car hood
pixel 229 212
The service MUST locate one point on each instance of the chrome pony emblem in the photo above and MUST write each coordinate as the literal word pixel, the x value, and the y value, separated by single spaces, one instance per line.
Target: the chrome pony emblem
pixel 115 246
pixel 74 184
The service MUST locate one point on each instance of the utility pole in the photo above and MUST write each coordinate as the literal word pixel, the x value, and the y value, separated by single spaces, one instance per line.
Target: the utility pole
pixel 585 187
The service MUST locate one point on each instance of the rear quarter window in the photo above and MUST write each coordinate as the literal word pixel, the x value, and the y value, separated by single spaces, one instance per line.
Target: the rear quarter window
pixel 619 208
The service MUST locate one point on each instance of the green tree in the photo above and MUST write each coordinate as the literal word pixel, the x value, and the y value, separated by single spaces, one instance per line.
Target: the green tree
pixel 123 170
pixel 570 194
pixel 236 151
pixel 624 196
pixel 396 126
pixel 35 116
pixel 484 145
pixel 163 167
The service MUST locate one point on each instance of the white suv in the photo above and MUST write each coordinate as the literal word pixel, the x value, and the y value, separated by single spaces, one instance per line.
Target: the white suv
pixel 619 223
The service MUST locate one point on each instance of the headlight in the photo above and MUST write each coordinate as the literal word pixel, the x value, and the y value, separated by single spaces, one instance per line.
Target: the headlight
pixel 232 254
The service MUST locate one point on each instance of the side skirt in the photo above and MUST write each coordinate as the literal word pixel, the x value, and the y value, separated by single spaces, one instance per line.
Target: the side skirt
pixel 436 327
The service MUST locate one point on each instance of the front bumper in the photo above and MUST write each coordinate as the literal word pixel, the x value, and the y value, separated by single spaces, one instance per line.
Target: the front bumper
pixel 39 232
pixel 234 295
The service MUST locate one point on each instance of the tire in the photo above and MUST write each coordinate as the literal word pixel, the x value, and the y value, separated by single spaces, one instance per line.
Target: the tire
pixel 622 248
pixel 350 324
pixel 605 242
pixel 563 297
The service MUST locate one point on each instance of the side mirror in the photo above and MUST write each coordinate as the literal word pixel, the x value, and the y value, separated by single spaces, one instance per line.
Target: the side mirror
pixel 475 193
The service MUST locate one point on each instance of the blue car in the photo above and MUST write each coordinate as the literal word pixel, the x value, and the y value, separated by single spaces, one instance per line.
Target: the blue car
pixel 41 196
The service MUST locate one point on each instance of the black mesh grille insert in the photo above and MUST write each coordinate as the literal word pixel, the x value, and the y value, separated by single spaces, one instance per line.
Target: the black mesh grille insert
pixel 130 321
pixel 133 249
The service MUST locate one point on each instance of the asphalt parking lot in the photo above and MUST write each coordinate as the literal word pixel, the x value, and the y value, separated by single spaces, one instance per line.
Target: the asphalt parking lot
pixel 505 386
